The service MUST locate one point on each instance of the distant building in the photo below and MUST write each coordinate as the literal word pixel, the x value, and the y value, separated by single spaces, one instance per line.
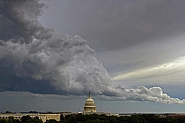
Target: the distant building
pixel 43 117
pixel 89 105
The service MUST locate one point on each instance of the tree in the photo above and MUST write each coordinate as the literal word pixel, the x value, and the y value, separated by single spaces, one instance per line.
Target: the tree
pixel 33 112
pixel 123 119
pixel 26 119
pixel 51 121
pixel 36 120
pixel 12 120
pixel 3 120
pixel 112 119
pixel 62 117
pixel 72 119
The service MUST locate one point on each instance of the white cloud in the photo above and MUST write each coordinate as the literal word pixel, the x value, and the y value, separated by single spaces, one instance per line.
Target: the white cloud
pixel 153 94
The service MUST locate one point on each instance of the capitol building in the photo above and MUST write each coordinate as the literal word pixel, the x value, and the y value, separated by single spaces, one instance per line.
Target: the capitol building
pixel 89 105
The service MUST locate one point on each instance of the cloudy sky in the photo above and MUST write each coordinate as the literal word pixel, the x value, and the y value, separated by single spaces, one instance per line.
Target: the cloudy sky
pixel 128 54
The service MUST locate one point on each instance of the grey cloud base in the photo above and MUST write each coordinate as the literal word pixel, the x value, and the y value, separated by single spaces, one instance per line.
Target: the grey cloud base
pixel 39 60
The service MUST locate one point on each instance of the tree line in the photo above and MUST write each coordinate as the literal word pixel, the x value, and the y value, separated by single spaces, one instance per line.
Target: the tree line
pixel 94 118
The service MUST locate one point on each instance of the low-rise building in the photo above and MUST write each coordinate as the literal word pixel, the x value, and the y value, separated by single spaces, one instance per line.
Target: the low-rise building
pixel 43 117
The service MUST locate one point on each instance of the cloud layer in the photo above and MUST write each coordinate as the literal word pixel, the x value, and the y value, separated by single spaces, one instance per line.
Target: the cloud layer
pixel 39 60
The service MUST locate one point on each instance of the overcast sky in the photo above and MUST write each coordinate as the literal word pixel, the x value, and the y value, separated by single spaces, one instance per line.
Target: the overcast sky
pixel 129 54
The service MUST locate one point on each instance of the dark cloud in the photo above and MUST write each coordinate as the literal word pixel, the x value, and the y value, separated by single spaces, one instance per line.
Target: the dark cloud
pixel 19 20
pixel 13 83
pixel 33 57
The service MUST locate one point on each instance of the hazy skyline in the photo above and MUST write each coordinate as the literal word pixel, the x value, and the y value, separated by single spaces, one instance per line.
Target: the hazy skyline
pixel 125 52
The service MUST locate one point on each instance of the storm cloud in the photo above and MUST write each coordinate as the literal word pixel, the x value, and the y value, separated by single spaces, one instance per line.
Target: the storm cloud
pixel 36 59
pixel 32 51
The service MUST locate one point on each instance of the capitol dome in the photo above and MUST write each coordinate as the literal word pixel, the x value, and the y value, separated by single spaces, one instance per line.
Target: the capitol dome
pixel 89 105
